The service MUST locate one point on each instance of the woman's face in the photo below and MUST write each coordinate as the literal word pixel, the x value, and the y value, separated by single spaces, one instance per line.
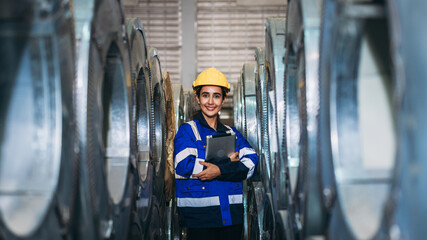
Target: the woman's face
pixel 210 100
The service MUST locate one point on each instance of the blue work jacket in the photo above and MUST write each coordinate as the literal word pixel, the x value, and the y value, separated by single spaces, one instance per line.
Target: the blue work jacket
pixel 216 203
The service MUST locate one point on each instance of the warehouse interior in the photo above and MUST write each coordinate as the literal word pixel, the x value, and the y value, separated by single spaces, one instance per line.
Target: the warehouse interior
pixel 329 93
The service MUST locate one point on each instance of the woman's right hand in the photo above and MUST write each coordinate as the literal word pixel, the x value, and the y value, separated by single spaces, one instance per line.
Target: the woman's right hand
pixel 234 157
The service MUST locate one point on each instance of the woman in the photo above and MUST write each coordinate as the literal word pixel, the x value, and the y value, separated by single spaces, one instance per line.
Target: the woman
pixel 209 196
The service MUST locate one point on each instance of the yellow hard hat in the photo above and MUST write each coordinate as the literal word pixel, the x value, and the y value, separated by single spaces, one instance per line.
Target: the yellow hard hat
pixel 212 77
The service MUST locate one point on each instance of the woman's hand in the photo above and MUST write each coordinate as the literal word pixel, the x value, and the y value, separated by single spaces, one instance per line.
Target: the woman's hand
pixel 234 157
pixel 211 172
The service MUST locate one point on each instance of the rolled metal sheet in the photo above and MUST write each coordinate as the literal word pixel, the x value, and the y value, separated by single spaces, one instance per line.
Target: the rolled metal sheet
pixel 262 119
pixel 252 202
pixel 406 209
pixel 248 77
pixel 158 136
pixel 242 101
pixel 178 100
pixel 103 104
pixel 237 106
pixel 185 106
pixel 274 76
pixel 303 21
pixel 269 218
pixel 357 131
pixel 38 136
pixel 158 121
pixel 191 107
pixel 141 118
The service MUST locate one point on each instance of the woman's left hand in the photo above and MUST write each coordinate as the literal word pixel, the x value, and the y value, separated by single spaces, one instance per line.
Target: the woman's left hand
pixel 211 172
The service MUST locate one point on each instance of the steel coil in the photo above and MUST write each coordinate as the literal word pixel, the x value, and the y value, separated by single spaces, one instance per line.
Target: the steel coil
pixel 238 106
pixel 262 118
pixel 175 231
pixel 357 130
pixel 406 209
pixel 249 94
pixel 158 139
pixel 274 76
pixel 178 99
pixel 38 137
pixel 303 46
pixel 141 125
pixel 191 107
pixel 104 105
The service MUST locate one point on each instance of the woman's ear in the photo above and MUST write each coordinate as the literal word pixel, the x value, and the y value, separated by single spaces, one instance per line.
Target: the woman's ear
pixel 197 99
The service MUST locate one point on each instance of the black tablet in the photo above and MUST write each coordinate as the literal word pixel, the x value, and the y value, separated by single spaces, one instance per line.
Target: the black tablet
pixel 220 146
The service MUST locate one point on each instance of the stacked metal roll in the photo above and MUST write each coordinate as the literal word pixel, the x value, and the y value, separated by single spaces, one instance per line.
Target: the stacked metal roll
pixel 405 212
pixel 263 189
pixel 249 130
pixel 83 154
pixel 175 231
pixel 340 123
pixel 38 138
pixel 259 115
pixel 358 114
pixel 178 99
pixel 303 61
pixel 190 105
pixel 342 82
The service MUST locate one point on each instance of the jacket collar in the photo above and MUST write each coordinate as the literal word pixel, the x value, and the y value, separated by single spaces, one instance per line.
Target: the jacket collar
pixel 219 126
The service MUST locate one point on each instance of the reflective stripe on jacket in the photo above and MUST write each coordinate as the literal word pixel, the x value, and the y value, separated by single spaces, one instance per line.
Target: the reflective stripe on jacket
pixel 216 203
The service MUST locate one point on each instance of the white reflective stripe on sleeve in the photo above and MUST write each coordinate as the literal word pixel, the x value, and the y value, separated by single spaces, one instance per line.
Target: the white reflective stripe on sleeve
pixel 185 153
pixel 179 177
pixel 198 202
pixel 246 151
pixel 195 130
pixel 235 199
pixel 197 166
pixel 249 164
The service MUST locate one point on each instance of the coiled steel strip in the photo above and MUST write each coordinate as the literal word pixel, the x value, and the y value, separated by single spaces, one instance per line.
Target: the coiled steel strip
pixel 178 99
pixel 302 44
pixel 104 103
pixel 406 208
pixel 357 133
pixel 142 118
pixel 38 135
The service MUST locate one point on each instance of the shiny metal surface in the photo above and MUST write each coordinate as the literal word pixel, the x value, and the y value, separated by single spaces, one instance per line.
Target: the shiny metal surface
pixel 237 106
pixel 141 113
pixel 248 80
pixel 275 70
pixel 262 118
pixel 191 107
pixel 406 209
pixel 140 78
pixel 37 132
pixel 292 118
pixel 103 103
pixel 303 46
pixel 158 116
pixel 158 144
pixel 178 99
pixel 357 96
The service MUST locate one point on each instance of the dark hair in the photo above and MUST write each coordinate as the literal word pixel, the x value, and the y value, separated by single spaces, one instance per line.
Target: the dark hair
pixel 199 88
